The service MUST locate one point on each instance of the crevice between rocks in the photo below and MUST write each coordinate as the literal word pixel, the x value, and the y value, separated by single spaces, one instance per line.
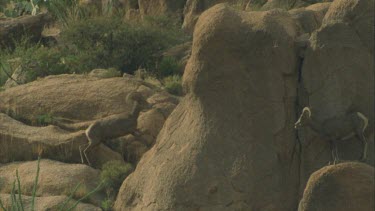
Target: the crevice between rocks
pixel 298 106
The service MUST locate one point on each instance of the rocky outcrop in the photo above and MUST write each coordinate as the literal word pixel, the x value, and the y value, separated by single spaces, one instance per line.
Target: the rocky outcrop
pixel 310 18
pixel 74 99
pixel 15 28
pixel 20 142
pixel 342 187
pixel 130 147
pixel 194 8
pixel 47 203
pixel 337 77
pixel 233 131
pixel 73 102
pixel 288 4
pixel 55 179
pixel 223 148
pixel 356 14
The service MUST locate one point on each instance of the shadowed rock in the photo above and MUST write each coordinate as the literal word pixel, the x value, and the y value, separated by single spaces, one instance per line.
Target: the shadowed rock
pixel 341 187
pixel 47 203
pixel 231 140
pixel 55 179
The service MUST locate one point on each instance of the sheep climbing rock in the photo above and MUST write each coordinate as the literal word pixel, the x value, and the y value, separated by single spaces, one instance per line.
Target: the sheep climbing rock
pixel 337 129
pixel 342 187
pixel 113 126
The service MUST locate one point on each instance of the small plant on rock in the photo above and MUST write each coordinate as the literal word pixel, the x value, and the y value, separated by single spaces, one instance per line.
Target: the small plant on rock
pixel 173 84
pixel 113 175
pixel 44 119
pixel 168 66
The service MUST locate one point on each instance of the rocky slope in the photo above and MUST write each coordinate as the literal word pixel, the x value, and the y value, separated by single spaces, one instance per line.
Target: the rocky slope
pixel 230 144
pixel 72 103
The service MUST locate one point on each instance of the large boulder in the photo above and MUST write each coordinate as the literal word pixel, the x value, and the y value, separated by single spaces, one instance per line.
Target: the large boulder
pixel 46 203
pixel 75 100
pixel 341 187
pixel 55 179
pixel 20 142
pixel 131 148
pixel 72 103
pixel 230 143
pixel 310 18
pixel 194 8
pixel 288 4
pixel 320 10
pixel 76 97
pixel 358 15
pixel 337 77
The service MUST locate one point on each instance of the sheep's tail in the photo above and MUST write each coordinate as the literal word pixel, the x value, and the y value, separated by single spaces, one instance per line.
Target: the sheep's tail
pixel 365 120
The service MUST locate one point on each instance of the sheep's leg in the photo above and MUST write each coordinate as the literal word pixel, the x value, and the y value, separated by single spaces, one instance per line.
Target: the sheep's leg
pixel 333 154
pixel 80 151
pixel 336 153
pixel 364 142
pixel 89 147
pixel 360 135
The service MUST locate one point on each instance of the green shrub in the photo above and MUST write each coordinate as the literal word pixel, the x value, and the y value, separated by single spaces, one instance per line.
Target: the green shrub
pixel 69 11
pixel 107 204
pixel 36 60
pixel 114 173
pixel 110 73
pixel 108 42
pixel 168 66
pixel 44 119
pixel 3 73
pixel 100 42
pixel 173 84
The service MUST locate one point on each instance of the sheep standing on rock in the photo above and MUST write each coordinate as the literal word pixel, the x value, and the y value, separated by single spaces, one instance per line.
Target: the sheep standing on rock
pixel 113 126
pixel 337 129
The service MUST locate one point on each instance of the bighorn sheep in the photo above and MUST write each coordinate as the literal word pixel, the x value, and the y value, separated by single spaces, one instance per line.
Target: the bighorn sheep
pixel 113 126
pixel 337 129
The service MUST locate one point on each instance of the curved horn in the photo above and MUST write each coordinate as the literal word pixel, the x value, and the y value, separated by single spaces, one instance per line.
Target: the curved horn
pixel 307 109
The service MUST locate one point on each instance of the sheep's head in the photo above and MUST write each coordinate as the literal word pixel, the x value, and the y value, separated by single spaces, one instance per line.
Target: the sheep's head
pixel 304 118
pixel 134 96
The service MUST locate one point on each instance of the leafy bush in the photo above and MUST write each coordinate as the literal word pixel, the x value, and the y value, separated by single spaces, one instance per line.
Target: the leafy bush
pixel 173 84
pixel 168 66
pixel 3 75
pixel 100 42
pixel 44 119
pixel 108 42
pixel 36 60
pixel 70 11
pixel 107 204
pixel 114 173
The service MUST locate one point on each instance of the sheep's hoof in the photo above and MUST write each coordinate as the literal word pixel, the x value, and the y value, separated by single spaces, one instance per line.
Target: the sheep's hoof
pixel 363 159
pixel 334 162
